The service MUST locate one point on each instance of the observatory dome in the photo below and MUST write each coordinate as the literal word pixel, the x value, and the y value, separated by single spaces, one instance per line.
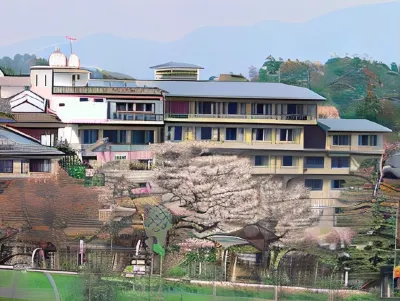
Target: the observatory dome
pixel 57 59
pixel 74 61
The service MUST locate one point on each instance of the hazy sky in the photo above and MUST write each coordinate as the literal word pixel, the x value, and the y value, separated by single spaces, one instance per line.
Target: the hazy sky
pixel 161 20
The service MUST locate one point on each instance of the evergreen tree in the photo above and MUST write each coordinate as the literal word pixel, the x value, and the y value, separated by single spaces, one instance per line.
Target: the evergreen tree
pixel 370 107
pixel 394 67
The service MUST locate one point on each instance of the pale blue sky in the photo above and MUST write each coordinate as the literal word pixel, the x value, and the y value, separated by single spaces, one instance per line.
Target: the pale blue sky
pixel 161 20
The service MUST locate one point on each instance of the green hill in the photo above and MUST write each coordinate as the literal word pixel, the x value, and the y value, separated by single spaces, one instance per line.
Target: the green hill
pixel 345 83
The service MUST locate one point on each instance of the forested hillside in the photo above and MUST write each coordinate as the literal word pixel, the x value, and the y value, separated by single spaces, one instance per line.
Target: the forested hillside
pixel 20 64
pixel 358 87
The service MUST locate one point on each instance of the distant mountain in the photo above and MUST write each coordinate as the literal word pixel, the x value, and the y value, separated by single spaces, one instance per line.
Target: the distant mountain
pixel 371 29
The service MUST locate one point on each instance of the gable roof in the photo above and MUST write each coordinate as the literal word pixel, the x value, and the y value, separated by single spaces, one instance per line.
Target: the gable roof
pixel 219 89
pixel 35 102
pixel 37 118
pixel 351 125
pixel 176 65
pixel 19 143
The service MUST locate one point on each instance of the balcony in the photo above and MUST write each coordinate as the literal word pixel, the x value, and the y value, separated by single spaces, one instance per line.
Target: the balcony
pixel 108 91
pixel 277 118
pixel 134 116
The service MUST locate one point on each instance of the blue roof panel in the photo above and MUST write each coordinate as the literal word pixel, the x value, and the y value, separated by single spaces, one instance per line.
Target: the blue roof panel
pixel 351 125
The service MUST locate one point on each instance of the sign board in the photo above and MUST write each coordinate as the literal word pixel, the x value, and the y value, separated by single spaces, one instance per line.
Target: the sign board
pixel 89 172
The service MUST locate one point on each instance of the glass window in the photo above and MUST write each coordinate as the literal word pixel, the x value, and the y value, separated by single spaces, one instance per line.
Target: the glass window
pixel 286 135
pixel 39 165
pixel 121 106
pixel 314 184
pixel 340 162
pixel 142 137
pixel 231 134
pixel 90 136
pixel 337 184
pixel 314 162
pixel 363 140
pixel 368 140
pixel 83 99
pixel 287 161
pixel 206 133
pixel 98 100
pixel 260 160
pixel 232 108
pixel 262 134
pixel 259 109
pixel 178 133
pixel 341 139
pixel 115 136
pixel 6 166
pixel 149 107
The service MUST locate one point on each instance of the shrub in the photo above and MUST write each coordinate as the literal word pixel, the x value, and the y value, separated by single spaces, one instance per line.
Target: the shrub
pixel 176 271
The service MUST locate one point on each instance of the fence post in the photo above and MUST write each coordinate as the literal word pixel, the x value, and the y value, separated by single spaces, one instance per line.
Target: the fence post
pixel 276 292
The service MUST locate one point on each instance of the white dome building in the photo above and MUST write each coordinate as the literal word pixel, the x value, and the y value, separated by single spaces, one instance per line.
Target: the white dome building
pixel 74 61
pixel 57 59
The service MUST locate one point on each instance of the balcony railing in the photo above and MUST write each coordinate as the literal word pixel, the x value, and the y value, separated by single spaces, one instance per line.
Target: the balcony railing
pixel 137 116
pixel 107 90
pixel 241 116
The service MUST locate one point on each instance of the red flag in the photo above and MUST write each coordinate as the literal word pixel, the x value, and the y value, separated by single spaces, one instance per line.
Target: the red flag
pixel 71 38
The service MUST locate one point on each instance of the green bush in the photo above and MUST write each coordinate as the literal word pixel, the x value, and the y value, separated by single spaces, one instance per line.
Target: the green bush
pixel 361 298
pixel 176 271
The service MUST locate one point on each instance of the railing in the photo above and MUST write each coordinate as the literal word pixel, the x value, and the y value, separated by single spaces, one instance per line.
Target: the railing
pixel 241 116
pixel 107 90
pixel 137 116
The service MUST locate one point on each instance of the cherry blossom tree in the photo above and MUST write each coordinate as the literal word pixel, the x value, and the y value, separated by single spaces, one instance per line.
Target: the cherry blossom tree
pixel 216 192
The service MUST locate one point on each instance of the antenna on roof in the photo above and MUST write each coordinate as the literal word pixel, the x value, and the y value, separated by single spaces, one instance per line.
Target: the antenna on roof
pixel 70 41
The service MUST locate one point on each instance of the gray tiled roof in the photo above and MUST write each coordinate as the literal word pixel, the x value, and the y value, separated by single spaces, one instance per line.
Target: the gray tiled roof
pixel 351 125
pixel 14 143
pixel 220 89
pixel 176 65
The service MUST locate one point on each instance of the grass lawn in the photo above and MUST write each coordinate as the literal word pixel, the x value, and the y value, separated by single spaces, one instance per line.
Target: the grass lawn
pixel 70 287
pixel 6 278
pixel 33 280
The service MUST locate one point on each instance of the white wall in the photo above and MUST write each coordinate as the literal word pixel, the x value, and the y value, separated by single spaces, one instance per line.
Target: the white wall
pixel 69 133
pixel 6 91
pixel 75 109
pixel 65 79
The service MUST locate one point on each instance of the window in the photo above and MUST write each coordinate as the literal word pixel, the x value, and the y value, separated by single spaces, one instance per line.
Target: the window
pixel 287 161
pixel 78 77
pixel 6 166
pixel 83 99
pixel 314 184
pixel 286 134
pixel 262 134
pixel 139 107
pixel 39 165
pixel 340 162
pixel 120 157
pixel 314 162
pixel 45 80
pixel 178 133
pixel 121 107
pixel 47 140
pixel 232 108
pixel 98 100
pixel 115 136
pixel 142 137
pixel 262 109
pixel 203 133
pixel 368 140
pixel 61 104
pixel 261 160
pixel 205 107
pixel 341 139
pixel 90 136
pixel 337 184
pixel 37 80
pixel 148 107
pixel 231 134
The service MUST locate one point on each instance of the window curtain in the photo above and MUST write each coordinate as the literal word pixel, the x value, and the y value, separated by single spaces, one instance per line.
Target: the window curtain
pixel 39 165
